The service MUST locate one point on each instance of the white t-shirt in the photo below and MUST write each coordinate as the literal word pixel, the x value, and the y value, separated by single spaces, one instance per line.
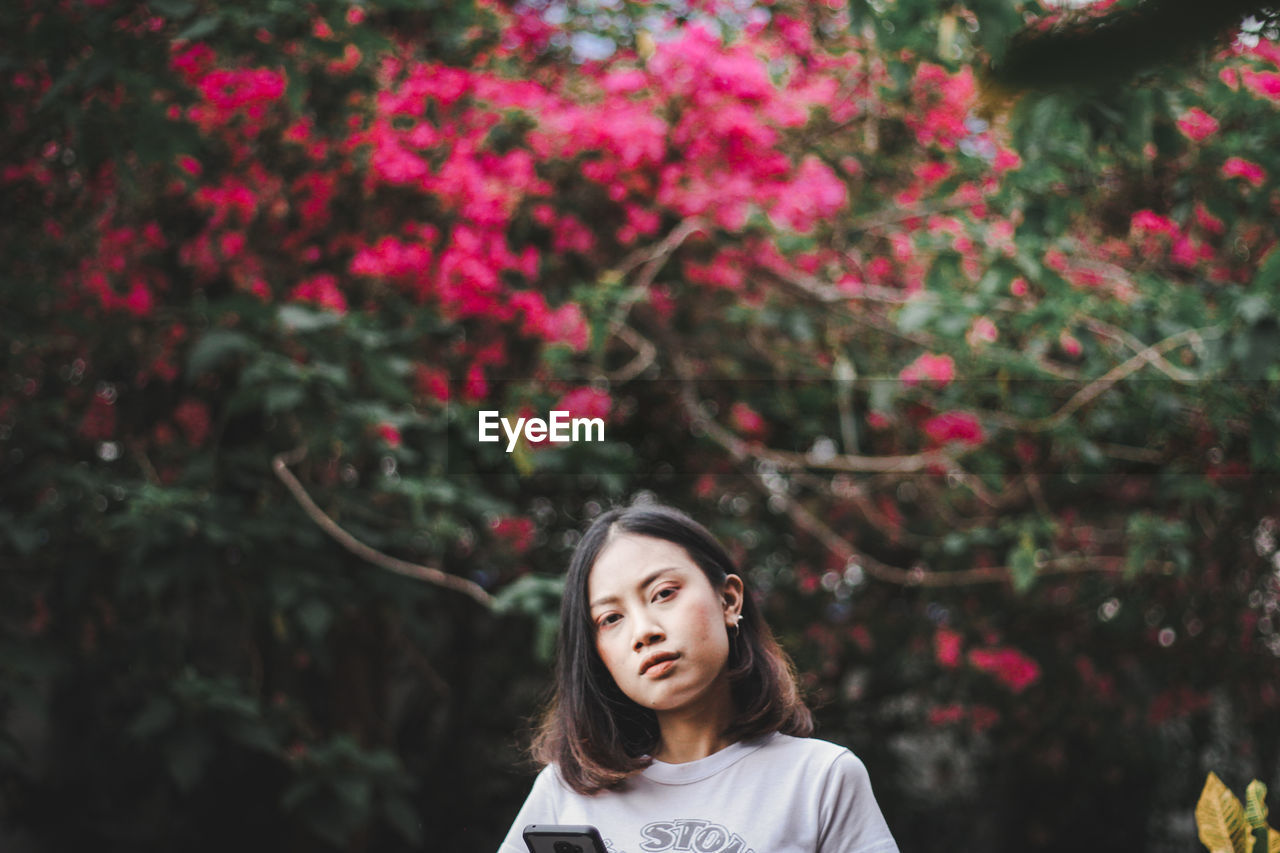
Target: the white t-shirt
pixel 776 794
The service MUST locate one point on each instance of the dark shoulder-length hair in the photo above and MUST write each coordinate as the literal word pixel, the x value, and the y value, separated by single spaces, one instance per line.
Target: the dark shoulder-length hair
pixel 597 736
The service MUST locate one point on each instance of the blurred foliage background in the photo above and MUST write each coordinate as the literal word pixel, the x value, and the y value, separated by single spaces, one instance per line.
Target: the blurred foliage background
pixel 976 380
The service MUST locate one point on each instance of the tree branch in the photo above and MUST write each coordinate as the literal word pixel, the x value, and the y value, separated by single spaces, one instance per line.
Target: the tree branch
pixel 1100 385
pixel 800 515
pixel 280 464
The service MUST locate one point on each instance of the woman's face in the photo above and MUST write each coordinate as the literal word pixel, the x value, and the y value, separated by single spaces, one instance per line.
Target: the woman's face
pixel 660 626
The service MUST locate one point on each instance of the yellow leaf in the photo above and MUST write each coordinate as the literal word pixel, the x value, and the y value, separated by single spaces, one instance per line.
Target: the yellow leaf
pixel 947 37
pixel 522 457
pixel 1220 818
pixel 1255 804
pixel 645 46
pixel 1273 841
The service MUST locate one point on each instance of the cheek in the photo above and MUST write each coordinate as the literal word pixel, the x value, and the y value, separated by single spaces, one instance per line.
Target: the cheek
pixel 609 655
pixel 711 631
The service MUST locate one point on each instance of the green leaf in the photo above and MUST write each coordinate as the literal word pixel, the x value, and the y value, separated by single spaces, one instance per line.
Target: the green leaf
pixel 531 594
pixel 356 792
pixel 201 28
pixel 282 398
pixel 315 617
pixel 298 793
pixel 216 347
pixel 1268 275
pixel 1253 308
pixel 1255 804
pixel 300 318
pixel 253 734
pixel 157 716
pixel 187 754
pixel 25 538
pixel 1022 564
pixel 405 820
pixel 916 314
pixel 175 9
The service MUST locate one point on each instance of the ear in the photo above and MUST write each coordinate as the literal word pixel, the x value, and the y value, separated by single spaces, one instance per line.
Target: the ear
pixel 731 593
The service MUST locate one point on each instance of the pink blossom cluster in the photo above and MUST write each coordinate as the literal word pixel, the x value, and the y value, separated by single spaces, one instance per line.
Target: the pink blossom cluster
pixel 1013 668
pixel 1247 170
pixel 936 369
pixel 1197 124
pixel 944 101
pixel 228 93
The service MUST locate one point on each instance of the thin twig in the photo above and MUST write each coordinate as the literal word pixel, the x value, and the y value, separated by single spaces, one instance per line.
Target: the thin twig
pixel 841 547
pixel 280 464
pixel 652 258
pixel 645 354
pixel 1177 374
pixel 1098 386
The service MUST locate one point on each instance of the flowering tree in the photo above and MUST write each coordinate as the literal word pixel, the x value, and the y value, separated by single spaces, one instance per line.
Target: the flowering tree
pixel 985 406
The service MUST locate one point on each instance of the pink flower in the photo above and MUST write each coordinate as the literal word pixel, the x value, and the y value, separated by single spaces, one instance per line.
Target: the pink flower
pixel 1149 222
pixel 190 165
pixel 946 647
pixel 192 416
pixel 954 426
pixel 746 419
pixel 432 382
pixel 99 421
pixel 938 369
pixel 946 714
pixel 585 403
pixel 568 325
pixel 1018 287
pixel 517 533
pixel 1238 167
pixel 1070 345
pixel 880 269
pixel 139 302
pixel 321 290
pixel 231 90
pixel 1010 666
pixel 982 332
pixel 1006 160
pixel 1207 220
pixel 943 102
pixel 1197 125
pixel 190 61
pixel 1185 251
pixel 1264 83
pixel 982 718
pixel 389 434
pixel 934 171
pixel 476 386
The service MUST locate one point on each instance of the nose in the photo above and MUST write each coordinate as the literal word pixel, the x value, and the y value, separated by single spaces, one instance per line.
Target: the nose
pixel 647 633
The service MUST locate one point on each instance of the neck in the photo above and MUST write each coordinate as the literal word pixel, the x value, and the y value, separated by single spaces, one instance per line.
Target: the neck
pixel 696 731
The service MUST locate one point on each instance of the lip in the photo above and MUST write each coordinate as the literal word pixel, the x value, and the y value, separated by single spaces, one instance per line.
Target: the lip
pixel 658 662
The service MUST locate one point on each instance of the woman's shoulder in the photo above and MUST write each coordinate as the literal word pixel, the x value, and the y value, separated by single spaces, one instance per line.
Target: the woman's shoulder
pixel 811 748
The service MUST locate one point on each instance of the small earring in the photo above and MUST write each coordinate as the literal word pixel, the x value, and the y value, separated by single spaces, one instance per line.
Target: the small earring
pixel 736 627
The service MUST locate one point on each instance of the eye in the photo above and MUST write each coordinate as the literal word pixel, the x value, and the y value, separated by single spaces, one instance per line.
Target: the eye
pixel 665 593
pixel 607 620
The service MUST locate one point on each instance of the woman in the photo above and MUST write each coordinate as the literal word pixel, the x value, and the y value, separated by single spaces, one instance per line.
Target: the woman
pixel 676 722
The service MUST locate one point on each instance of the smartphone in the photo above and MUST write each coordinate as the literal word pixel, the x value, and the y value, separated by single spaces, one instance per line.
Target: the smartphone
pixel 545 838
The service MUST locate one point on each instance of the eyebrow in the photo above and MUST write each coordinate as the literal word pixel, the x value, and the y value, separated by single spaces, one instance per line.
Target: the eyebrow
pixel 648 579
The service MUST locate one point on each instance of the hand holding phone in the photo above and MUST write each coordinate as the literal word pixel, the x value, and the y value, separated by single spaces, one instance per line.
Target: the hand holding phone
pixel 546 838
